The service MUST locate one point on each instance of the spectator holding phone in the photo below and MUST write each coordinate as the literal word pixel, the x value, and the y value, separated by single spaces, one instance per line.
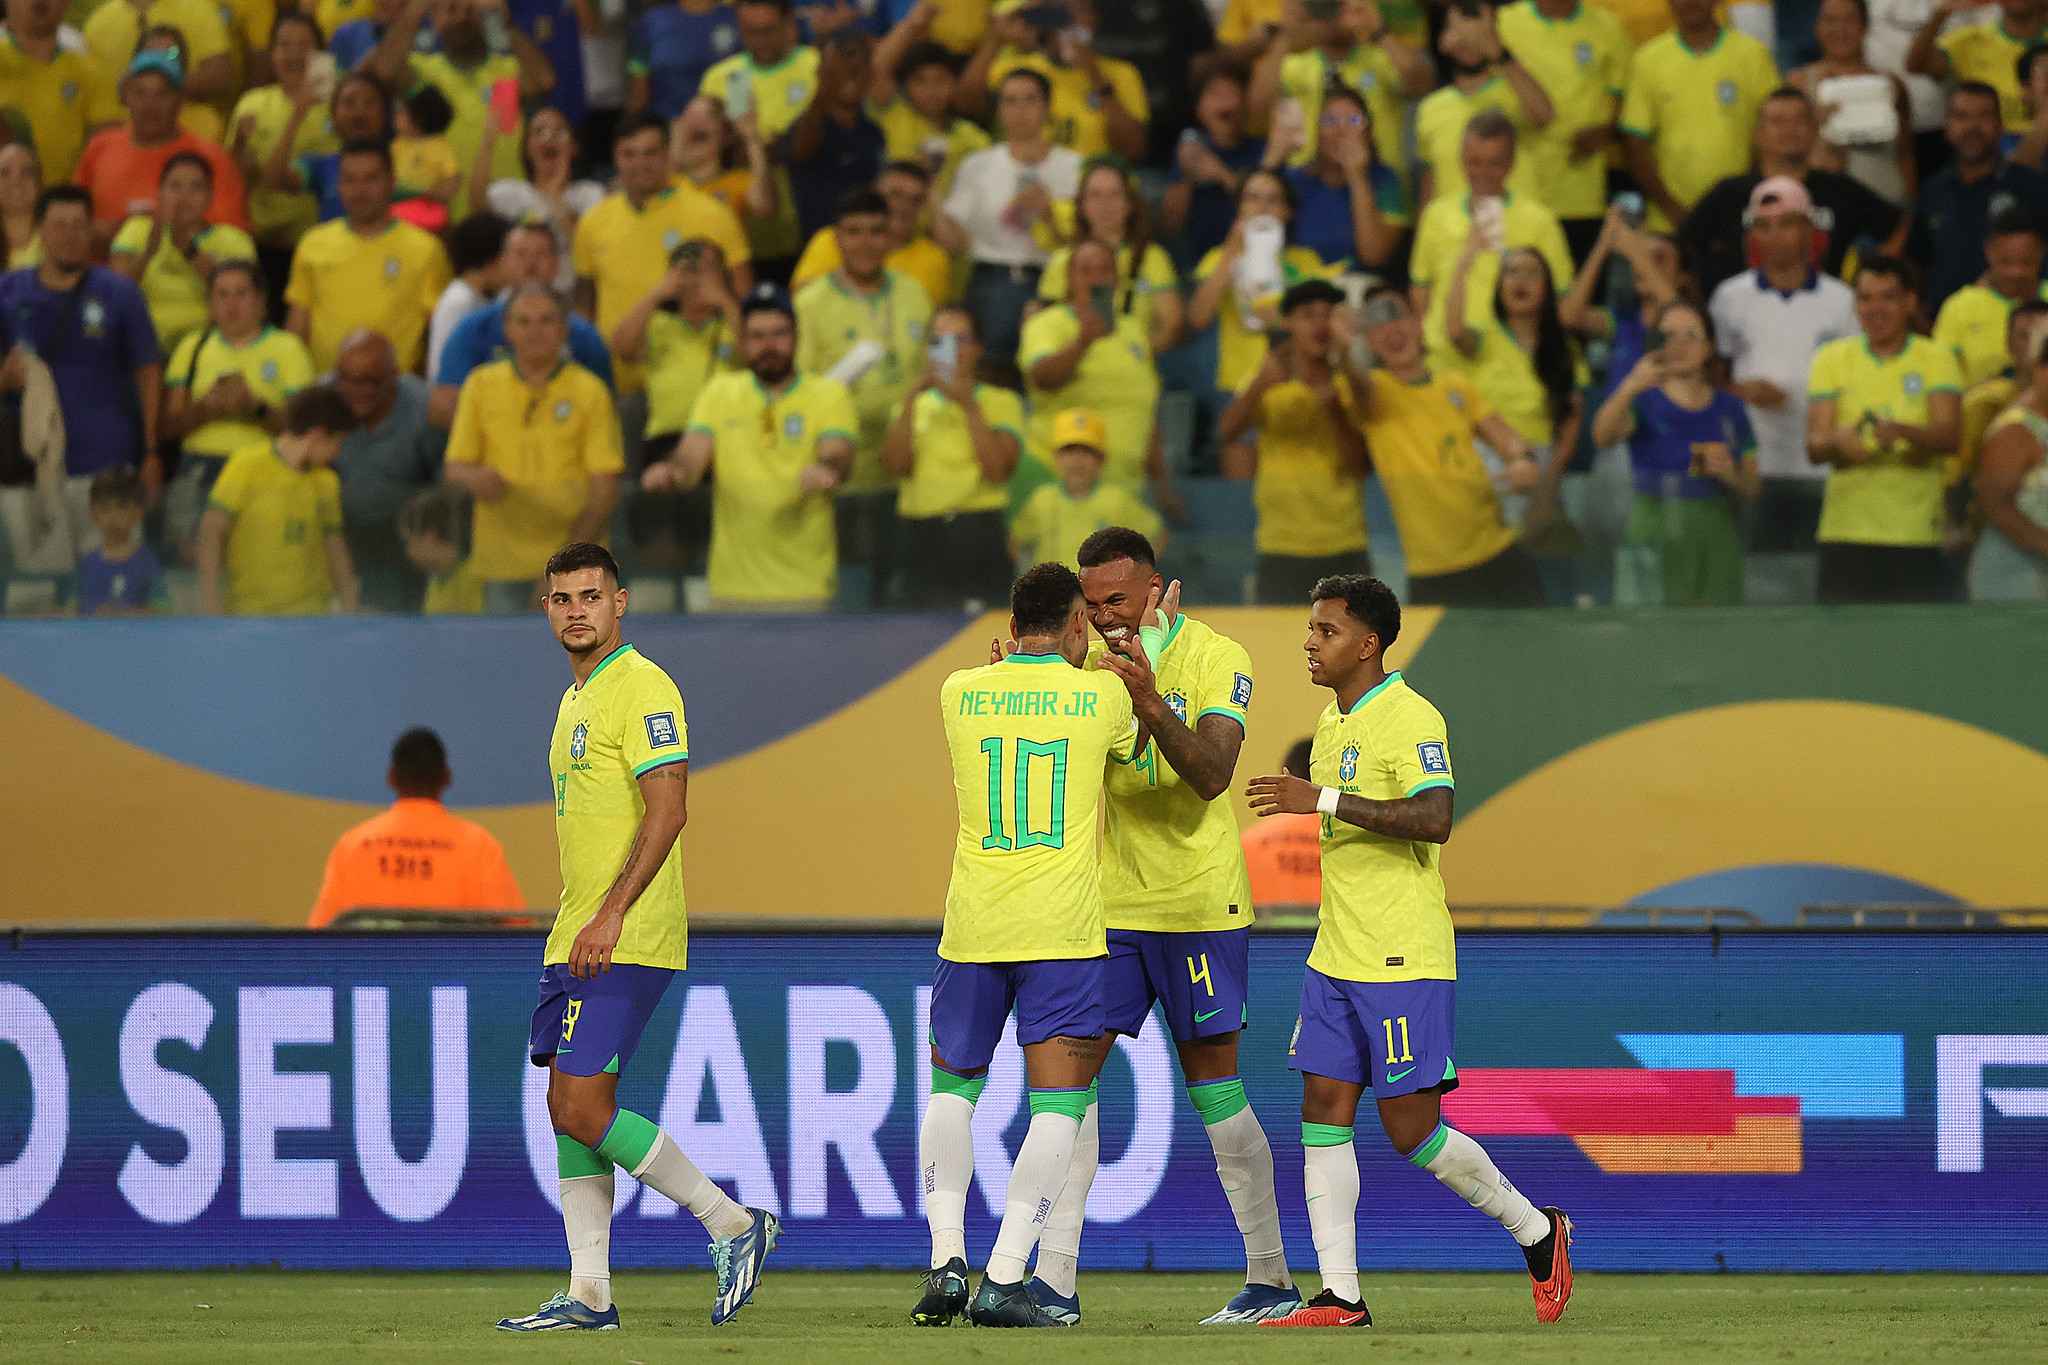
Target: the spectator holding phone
pixel 1485 78
pixel 1321 44
pixel 1693 455
pixel 774 77
pixel 285 114
pixel 1085 353
pixel 835 147
pixel 1110 209
pixel 1214 157
pixel 358 112
pixel 954 443
pixel 172 251
pixel 1098 104
pixel 1307 459
pixel 1241 295
pixel 911 94
pixel 1348 205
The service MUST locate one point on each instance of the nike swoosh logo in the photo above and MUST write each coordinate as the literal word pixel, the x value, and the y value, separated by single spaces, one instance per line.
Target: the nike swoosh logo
pixel 1393 1076
pixel 1210 1015
pixel 1312 1198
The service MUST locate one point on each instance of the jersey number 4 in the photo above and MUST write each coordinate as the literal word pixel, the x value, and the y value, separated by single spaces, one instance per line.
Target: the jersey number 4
pixel 1020 803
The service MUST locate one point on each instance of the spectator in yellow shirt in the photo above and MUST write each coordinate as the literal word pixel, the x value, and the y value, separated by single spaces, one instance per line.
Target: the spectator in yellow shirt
pixel 270 543
pixel 536 442
pixel 1057 517
pixel 63 96
pixel 1987 51
pixel 906 187
pixel 1098 103
pixel 910 97
pixel 1111 209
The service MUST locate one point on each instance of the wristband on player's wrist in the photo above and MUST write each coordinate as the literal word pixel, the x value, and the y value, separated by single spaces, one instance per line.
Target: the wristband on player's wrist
pixel 1326 801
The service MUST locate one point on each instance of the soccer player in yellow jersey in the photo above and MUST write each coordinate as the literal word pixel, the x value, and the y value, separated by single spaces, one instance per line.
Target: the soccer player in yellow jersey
pixel 1178 905
pixel 1031 735
pixel 1378 1000
pixel 620 759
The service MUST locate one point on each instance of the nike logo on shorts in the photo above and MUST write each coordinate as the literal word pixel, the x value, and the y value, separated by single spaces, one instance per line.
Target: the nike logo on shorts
pixel 1393 1076
pixel 1210 1015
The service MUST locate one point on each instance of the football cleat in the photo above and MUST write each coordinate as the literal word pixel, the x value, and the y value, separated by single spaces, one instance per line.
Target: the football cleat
pixel 945 1295
pixel 1007 1305
pixel 1554 1291
pixel 1255 1303
pixel 738 1261
pixel 563 1314
pixel 1324 1310
pixel 1064 1309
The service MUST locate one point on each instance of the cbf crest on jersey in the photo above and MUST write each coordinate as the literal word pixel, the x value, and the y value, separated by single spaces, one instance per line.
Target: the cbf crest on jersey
pixel 1179 705
pixel 1347 763
pixel 793 426
pixel 1431 755
pixel 1725 92
pixel 391 267
pixel 579 740
pixel 1914 383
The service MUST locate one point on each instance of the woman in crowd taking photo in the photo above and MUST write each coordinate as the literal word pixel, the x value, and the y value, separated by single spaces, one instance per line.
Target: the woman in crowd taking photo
pixel 550 192
pixel 1693 456
pixel 1213 158
pixel 2011 560
pixel 723 158
pixel 1242 298
pixel 1109 209
pixel 1349 204
pixel 171 252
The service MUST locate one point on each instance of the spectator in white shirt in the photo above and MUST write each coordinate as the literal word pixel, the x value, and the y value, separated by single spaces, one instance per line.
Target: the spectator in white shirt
pixel 997 196
pixel 1770 321
pixel 476 248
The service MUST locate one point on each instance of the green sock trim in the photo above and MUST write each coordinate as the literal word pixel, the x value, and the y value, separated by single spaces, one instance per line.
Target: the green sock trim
pixel 1216 1101
pixel 1094 1087
pixel 1324 1135
pixel 968 1088
pixel 628 1141
pixel 573 1160
pixel 1072 1103
pixel 1434 1143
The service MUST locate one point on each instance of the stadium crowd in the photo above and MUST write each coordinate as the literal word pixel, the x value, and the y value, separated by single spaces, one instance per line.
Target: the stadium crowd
pixel 375 303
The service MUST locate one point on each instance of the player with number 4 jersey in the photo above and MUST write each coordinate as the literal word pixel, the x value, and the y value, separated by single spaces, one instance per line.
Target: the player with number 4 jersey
pixel 1178 906
pixel 1032 736
pixel 1378 997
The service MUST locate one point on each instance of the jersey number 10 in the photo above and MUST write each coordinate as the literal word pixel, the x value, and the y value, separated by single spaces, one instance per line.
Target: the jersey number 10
pixel 1020 802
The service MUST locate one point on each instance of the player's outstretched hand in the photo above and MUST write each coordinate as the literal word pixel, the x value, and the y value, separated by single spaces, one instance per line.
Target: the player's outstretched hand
pixel 1284 794
pixel 1126 658
pixel 590 956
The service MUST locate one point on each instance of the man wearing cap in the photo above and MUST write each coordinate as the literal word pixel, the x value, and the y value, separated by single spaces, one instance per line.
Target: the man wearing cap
pixel 1714 235
pixel 781 444
pixel 1307 458
pixel 123 165
pixel 1770 321
pixel 1057 517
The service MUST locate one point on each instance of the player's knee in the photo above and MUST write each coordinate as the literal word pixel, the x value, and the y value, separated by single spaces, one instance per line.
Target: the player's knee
pixel 578 1116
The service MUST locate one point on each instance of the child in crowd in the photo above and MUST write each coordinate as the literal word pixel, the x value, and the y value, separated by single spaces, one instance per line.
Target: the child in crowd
pixel 1058 517
pixel 123 577
pixel 433 525
pixel 421 155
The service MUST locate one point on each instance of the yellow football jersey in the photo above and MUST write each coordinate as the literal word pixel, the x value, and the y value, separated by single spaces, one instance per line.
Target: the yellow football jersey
pixel 946 476
pixel 1440 237
pixel 274 366
pixel 1076 118
pixel 770 540
pixel 1308 504
pixel 1116 377
pixel 780 93
pixel 623 723
pixel 59 100
pixel 1171 861
pixel 832 319
pixel 1051 525
pixel 1973 323
pixel 1031 739
pixel 276 550
pixel 1986 52
pixel 623 251
pixel 1444 505
pixel 388 282
pixel 1383 913
pixel 1440 121
pixel 1699 109
pixel 1885 502
pixel 1368 70
pixel 1582 64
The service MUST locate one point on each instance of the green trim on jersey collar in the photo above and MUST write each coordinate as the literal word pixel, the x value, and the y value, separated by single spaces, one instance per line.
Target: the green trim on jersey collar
pixel 1384 683
pixel 1036 658
pixel 607 663
pixel 1720 34
pixel 1179 620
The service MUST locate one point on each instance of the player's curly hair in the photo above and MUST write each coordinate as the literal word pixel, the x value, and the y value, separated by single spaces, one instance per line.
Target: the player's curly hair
pixel 1043 599
pixel 1112 543
pixel 1365 600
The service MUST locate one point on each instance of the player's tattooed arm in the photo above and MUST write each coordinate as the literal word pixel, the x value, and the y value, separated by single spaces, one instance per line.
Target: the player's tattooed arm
pixel 665 792
pixel 1424 817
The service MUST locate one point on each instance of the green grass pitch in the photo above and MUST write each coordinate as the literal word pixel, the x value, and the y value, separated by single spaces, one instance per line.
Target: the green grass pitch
pixel 824 1318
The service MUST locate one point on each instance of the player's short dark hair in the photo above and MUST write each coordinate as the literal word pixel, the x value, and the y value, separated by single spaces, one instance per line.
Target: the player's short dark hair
pixel 1112 543
pixel 419 764
pixel 2011 220
pixel 477 240
pixel 636 123
pixel 367 146
pixel 430 110
pixel 1043 599
pixel 62 194
pixel 186 159
pixel 582 555
pixel 1793 93
pixel 1366 600
pixel 1979 90
pixel 1298 757
pixel 918 56
pixel 1891 267
pixel 120 486
pixel 319 408
pixel 862 201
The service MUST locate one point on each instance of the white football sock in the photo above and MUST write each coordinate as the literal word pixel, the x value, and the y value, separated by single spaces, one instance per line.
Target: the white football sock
pixel 1464 1165
pixel 587 1217
pixel 672 1173
pixel 1059 1246
pixel 945 1148
pixel 1329 1177
pixel 1040 1169
pixel 1244 1163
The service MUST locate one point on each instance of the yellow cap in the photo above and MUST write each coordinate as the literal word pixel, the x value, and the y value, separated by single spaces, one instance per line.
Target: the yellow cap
pixel 1080 427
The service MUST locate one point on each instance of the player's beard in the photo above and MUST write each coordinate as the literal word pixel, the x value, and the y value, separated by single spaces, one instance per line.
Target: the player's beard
pixel 596 642
pixel 773 370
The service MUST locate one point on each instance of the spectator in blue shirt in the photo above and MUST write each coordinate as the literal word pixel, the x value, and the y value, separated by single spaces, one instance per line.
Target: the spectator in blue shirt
pixel 89 324
pixel 835 146
pixel 123 577
pixel 1350 203
pixel 1952 213
pixel 358 38
pixel 673 45
pixel 479 339
pixel 1215 156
